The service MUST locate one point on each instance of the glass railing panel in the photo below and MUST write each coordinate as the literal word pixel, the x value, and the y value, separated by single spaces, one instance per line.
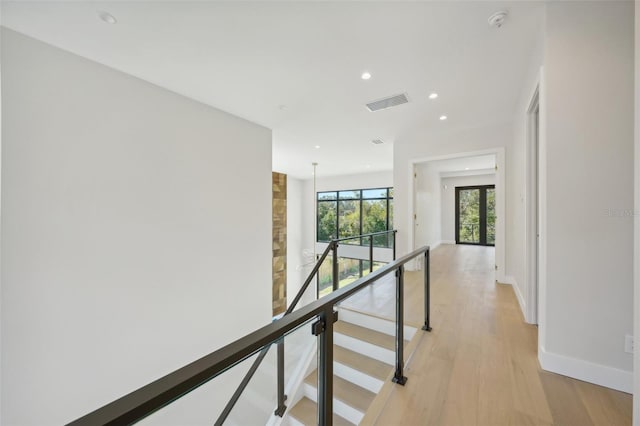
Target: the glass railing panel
pixel 204 404
pixel 349 271
pixel 364 355
pixel 324 277
pixel 300 363
pixel 258 401
pixel 198 393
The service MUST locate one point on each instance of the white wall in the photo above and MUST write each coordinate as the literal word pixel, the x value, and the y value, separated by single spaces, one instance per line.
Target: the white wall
pixel 636 250
pixel 134 227
pixel 588 127
pixel 294 237
pixel 448 194
pixel 428 224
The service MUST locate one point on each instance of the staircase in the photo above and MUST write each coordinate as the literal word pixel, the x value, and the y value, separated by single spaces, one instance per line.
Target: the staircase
pixel 358 378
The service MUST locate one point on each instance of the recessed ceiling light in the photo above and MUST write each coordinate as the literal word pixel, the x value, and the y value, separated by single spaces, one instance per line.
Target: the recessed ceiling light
pixel 317 147
pixel 466 168
pixel 107 17
pixel 366 75
pixel 443 117
pixel 433 95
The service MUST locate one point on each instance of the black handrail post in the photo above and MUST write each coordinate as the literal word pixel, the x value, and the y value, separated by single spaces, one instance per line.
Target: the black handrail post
pixel 336 277
pixel 281 408
pixel 427 291
pixel 394 245
pixel 317 274
pixel 398 377
pixel 371 254
pixel 324 329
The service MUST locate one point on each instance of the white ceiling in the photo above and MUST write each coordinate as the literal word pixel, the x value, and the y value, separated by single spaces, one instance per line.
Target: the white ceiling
pixel 295 66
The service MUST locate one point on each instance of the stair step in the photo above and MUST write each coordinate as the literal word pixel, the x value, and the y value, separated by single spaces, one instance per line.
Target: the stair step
pixel 369 320
pixel 347 392
pixel 367 335
pixel 306 412
pixel 362 363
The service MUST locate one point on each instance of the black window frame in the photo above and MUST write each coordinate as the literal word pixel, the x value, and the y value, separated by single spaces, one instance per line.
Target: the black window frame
pixel 388 201
pixel 482 205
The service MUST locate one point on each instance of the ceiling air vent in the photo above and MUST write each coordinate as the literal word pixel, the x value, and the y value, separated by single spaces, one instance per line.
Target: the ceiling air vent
pixel 388 102
pixel 377 141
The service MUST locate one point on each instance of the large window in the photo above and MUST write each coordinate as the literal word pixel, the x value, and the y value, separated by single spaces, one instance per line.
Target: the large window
pixel 356 212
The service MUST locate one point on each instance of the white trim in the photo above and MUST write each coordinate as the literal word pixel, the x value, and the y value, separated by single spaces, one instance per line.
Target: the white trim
pixel 636 239
pixel 542 209
pixel 508 279
pixel 447 242
pixel 598 374
pixel 534 192
pixel 461 173
pixel 501 194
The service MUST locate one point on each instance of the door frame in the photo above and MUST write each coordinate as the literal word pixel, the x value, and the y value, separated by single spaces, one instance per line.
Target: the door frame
pixel 482 206
pixel 535 217
pixel 499 152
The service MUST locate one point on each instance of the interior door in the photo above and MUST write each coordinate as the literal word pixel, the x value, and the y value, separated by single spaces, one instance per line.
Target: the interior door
pixel 476 215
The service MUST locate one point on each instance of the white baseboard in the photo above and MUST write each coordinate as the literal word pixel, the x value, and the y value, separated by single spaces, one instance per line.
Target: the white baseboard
pixel 580 369
pixel 508 279
pixel 447 242
pixel 434 245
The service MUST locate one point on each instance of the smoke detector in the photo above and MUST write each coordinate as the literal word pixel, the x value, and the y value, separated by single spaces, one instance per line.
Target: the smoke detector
pixel 497 19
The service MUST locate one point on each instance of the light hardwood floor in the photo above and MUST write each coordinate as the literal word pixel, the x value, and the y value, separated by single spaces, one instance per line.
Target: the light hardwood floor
pixel 479 365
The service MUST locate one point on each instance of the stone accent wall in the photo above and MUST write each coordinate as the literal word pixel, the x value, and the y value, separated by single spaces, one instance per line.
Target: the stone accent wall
pixel 279 243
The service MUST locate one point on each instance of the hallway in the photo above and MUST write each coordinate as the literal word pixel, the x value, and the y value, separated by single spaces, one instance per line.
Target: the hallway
pixel 479 364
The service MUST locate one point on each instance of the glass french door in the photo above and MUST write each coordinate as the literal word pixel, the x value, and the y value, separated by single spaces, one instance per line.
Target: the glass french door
pixel 476 215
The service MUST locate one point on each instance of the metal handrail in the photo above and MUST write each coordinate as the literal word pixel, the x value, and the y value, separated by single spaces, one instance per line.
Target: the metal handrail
pixel 372 234
pixel 254 367
pixel 332 246
pixel 148 399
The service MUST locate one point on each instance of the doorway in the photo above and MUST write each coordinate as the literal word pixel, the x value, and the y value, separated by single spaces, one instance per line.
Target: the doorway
pixel 432 182
pixel 476 215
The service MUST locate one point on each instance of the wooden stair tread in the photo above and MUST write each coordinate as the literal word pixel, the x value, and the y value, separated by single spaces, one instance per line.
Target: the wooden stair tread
pixel 362 363
pixel 347 392
pixel 367 335
pixel 305 411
